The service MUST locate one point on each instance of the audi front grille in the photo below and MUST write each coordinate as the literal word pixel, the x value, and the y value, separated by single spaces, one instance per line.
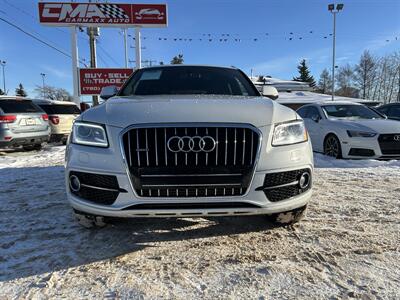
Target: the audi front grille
pixel 390 144
pixel 191 161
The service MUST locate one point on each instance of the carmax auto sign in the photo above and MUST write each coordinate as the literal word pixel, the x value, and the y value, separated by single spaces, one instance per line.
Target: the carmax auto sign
pixel 102 14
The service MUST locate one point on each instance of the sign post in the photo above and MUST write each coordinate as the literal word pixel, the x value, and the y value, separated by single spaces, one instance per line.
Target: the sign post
pixel 138 48
pixel 75 62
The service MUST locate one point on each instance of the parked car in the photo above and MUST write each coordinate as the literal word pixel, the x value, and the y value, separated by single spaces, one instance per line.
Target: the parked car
pixel 61 117
pixel 391 110
pixel 351 130
pixel 188 141
pixel 22 123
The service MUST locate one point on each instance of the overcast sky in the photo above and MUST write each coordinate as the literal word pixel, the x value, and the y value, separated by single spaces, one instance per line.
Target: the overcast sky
pixel 272 37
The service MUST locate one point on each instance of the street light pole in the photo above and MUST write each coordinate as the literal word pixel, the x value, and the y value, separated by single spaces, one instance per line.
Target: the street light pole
pixel 3 65
pixel 43 75
pixel 331 8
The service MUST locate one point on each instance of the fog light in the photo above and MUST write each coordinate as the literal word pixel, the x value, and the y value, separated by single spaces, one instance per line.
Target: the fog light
pixel 74 183
pixel 304 180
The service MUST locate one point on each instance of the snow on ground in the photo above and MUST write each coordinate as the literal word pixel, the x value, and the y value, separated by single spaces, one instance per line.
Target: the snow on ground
pixel 347 247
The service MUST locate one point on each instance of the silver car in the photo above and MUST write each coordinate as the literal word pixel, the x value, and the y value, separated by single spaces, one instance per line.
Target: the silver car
pixel 188 141
pixel 22 123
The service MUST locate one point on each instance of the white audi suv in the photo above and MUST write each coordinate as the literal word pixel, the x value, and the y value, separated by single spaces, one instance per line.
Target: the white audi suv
pixel 188 141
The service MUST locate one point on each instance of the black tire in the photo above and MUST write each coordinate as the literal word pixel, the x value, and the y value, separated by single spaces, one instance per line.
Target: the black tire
pixel 89 221
pixel 332 146
pixel 32 147
pixel 288 217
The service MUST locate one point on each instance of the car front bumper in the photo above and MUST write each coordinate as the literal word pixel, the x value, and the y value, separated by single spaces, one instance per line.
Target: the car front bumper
pixel 109 161
pixel 365 148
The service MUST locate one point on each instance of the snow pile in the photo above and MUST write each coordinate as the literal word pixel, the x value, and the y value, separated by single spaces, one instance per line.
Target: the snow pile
pixel 48 156
pixel 323 161
pixel 347 247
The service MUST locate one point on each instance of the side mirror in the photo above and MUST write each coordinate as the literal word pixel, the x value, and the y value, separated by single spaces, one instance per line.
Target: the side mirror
pixel 315 118
pixel 270 92
pixel 108 92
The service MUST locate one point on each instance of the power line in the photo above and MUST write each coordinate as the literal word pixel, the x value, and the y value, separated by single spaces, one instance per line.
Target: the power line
pixel 64 31
pixel 38 39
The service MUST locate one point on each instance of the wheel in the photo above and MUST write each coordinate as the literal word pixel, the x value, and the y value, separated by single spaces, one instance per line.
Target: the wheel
pixel 32 147
pixel 289 217
pixel 89 221
pixel 332 146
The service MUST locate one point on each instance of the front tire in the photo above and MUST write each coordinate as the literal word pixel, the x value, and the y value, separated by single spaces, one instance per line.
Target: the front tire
pixel 289 217
pixel 32 147
pixel 332 146
pixel 89 221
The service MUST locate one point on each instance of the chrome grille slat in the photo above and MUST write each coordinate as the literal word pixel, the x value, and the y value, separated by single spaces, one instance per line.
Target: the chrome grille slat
pixel 129 149
pixel 226 146
pixel 137 146
pixel 251 151
pixel 156 142
pixel 244 145
pixel 216 146
pixel 234 150
pixel 147 149
pixel 223 172
pixel 176 154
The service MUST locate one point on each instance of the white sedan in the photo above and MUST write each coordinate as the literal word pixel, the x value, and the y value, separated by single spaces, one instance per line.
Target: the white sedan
pixel 351 130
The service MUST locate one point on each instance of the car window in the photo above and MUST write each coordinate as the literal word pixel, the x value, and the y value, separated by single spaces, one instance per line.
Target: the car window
pixel 18 106
pixel 185 80
pixel 60 109
pixel 303 112
pixel 349 111
pixel 394 112
pixel 383 110
pixel 313 113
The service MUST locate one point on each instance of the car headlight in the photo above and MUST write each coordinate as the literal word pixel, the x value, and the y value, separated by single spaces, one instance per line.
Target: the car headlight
pixel 355 133
pixel 289 133
pixel 89 134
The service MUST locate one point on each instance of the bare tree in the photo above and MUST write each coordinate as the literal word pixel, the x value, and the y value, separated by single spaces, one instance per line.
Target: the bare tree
pixel 365 73
pixel 345 82
pixel 53 93
pixel 325 82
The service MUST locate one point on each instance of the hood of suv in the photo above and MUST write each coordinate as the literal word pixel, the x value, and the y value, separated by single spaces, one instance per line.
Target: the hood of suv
pixel 125 111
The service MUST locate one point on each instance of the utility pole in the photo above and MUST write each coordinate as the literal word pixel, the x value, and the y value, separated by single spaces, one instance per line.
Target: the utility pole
pixel 43 75
pixel 3 65
pixel 331 8
pixel 93 33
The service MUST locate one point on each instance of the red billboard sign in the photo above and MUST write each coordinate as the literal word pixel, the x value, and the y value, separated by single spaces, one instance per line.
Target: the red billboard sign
pixel 92 80
pixel 102 14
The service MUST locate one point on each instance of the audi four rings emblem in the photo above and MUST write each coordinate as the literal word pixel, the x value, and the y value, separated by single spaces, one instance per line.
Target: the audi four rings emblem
pixel 397 138
pixel 191 144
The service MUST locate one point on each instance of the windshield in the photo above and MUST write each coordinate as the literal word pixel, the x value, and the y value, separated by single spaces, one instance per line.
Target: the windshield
pixel 185 80
pixel 60 109
pixel 18 106
pixel 350 112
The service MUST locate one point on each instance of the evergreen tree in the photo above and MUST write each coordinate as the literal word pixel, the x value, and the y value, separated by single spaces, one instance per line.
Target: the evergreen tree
pixel 19 91
pixel 2 92
pixel 304 74
pixel 177 60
